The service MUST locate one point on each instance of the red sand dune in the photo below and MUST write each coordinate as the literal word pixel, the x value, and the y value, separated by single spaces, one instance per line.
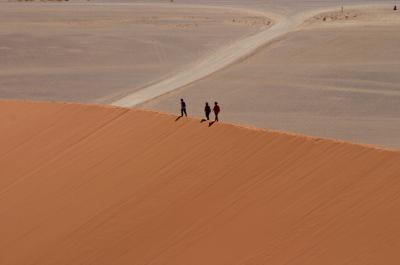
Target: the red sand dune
pixel 101 185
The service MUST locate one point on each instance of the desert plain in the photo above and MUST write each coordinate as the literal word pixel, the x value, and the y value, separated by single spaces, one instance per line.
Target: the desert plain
pixel 93 53
pixel 97 167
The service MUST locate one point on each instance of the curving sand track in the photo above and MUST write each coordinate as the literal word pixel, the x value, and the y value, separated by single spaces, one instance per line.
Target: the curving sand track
pixel 102 185
pixel 223 57
pixel 218 60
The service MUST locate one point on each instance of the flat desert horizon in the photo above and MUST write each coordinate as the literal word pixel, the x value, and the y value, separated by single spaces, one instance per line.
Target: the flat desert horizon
pixel 98 167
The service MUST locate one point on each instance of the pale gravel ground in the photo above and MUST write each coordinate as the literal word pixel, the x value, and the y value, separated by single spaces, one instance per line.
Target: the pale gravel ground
pixel 93 53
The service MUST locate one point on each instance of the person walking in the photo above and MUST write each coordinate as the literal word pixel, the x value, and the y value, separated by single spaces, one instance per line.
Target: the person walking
pixel 207 111
pixel 216 110
pixel 183 108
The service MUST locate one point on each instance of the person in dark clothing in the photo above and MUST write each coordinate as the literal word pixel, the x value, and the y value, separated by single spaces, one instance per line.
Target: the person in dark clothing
pixel 183 108
pixel 207 111
pixel 216 110
pixel 395 8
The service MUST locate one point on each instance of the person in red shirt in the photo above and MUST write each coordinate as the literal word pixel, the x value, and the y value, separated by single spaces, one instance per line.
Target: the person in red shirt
pixel 216 110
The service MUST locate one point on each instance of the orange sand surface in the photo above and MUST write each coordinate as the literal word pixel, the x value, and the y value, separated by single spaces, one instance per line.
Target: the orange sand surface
pixel 102 185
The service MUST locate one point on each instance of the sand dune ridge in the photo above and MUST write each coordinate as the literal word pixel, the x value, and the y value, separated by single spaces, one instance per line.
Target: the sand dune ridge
pixel 104 185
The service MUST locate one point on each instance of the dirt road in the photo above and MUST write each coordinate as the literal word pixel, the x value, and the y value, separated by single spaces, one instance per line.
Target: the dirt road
pixel 221 58
pixel 217 61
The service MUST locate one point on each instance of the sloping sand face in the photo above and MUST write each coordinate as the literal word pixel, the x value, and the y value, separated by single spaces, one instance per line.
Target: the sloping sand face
pixel 101 185
pixel 337 79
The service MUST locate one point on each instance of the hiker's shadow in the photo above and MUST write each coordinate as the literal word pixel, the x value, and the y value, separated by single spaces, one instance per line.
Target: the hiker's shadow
pixel 178 118
pixel 203 120
pixel 211 123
